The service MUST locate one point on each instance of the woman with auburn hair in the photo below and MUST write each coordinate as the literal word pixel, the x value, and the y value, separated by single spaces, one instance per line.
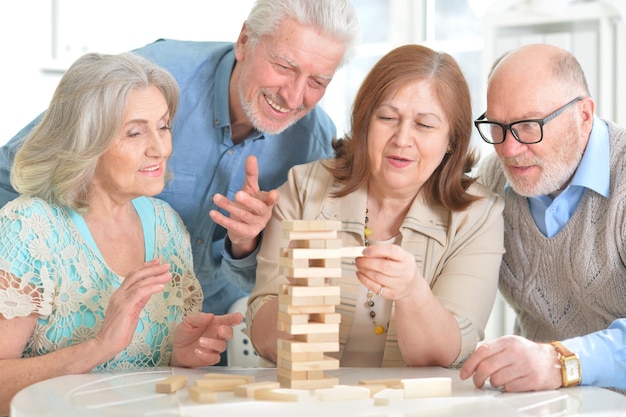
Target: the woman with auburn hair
pixel 421 293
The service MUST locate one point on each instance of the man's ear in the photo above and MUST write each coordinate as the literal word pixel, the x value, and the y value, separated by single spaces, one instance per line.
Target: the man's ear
pixel 240 45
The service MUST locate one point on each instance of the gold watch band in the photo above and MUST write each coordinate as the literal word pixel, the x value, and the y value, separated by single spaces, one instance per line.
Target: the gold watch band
pixel 569 361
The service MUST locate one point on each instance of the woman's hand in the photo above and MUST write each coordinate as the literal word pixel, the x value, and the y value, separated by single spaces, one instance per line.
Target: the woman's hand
pixel 201 337
pixel 126 304
pixel 387 270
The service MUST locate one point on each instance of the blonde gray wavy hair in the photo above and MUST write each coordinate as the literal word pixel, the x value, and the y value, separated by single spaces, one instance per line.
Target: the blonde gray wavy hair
pixel 58 158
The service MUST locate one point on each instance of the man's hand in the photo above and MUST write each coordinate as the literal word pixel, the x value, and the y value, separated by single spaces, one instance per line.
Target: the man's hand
pixel 249 212
pixel 514 364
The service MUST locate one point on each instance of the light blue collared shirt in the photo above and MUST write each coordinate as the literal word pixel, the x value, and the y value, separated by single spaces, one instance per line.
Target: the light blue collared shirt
pixel 602 355
pixel 593 172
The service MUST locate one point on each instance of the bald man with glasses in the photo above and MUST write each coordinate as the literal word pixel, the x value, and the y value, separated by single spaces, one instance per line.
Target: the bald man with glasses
pixel 562 172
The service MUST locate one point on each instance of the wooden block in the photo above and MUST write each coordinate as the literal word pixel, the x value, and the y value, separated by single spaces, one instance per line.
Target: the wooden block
pixel 292 345
pixel 308 384
pixel 310 234
pixel 332 299
pixel 325 364
pixel 309 281
pixel 309 263
pixel 325 318
pixel 219 385
pixel 298 291
pixel 300 301
pixel 299 375
pixel 217 375
pixel 386 382
pixel 427 387
pixel 202 395
pixel 387 396
pixel 342 393
pixel 281 394
pixel 293 262
pixel 293 318
pixel 306 309
pixel 374 388
pixel 300 225
pixel 308 328
pixel 300 356
pixel 318 338
pixel 310 253
pixel 248 390
pixel 171 384
pixel 310 272
pixel 351 251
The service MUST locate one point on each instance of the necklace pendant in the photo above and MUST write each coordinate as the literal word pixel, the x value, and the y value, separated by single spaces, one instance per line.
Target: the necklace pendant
pixel 378 330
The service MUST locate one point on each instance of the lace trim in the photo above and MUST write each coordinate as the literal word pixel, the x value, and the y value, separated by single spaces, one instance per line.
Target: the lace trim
pixel 47 268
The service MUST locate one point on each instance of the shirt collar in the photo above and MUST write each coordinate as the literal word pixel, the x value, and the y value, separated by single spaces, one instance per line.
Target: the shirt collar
pixel 594 170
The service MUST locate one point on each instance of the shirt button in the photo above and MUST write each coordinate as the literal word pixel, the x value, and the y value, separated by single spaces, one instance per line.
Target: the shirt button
pixel 199 241
pixel 230 151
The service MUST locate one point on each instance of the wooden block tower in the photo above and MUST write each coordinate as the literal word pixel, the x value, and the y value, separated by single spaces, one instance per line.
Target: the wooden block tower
pixel 307 304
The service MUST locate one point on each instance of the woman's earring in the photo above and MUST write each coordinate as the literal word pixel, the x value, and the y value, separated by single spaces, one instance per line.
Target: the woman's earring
pixel 449 150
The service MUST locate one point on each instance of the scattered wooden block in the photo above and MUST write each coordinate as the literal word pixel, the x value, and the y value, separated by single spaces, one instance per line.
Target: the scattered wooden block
pixel 202 395
pixel 342 393
pixel 387 396
pixel 374 388
pixel 427 387
pixel 281 394
pixel 248 390
pixel 386 382
pixel 219 385
pixel 171 384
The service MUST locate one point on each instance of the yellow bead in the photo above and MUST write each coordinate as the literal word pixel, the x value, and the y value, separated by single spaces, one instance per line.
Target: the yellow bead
pixel 367 232
pixel 379 330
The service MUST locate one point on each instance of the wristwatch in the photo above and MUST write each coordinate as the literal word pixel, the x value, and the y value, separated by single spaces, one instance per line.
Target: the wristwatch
pixel 570 365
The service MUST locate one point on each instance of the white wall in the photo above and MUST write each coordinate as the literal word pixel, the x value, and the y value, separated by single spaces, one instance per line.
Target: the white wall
pixel 33 56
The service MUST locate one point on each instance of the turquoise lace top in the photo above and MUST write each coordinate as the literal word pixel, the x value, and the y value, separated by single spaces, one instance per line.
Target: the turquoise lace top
pixel 51 266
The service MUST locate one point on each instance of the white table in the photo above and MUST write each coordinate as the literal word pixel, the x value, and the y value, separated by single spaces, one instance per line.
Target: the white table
pixel 134 394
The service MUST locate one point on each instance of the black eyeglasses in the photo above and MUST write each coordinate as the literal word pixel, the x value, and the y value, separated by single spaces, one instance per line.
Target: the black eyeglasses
pixel 524 131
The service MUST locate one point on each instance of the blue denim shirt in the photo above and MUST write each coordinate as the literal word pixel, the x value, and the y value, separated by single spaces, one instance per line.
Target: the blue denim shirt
pixel 204 159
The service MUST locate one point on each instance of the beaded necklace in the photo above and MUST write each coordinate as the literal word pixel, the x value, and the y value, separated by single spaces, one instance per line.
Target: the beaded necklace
pixel 369 303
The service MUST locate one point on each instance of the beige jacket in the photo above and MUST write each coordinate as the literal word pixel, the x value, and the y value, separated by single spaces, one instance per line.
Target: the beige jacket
pixel 458 253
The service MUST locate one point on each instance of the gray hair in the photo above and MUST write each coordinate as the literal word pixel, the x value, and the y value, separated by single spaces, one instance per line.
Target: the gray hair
pixel 58 158
pixel 335 18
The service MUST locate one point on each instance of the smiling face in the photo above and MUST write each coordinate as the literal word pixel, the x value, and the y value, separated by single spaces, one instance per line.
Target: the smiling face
pixel 407 139
pixel 283 76
pixel 135 162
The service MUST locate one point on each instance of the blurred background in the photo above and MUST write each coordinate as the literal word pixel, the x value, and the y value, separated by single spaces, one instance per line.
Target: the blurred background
pixel 39 39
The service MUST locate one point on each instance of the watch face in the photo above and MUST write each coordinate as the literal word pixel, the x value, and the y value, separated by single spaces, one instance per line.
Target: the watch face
pixel 571 369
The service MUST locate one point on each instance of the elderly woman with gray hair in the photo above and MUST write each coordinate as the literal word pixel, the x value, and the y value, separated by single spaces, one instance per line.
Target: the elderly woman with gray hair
pixel 95 274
